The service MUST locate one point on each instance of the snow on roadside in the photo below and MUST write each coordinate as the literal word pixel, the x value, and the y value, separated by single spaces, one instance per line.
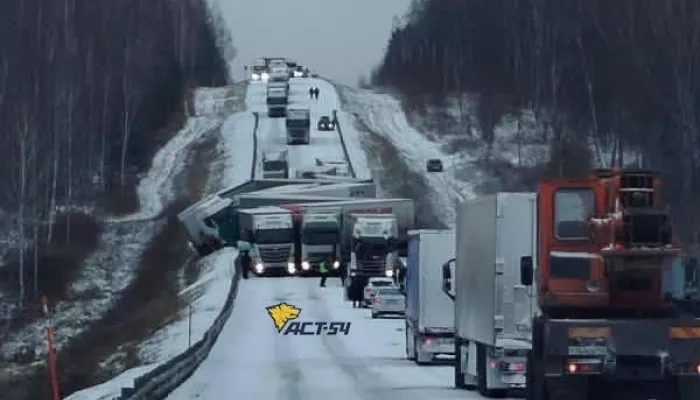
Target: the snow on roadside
pixel 384 116
pixel 112 389
pixel 353 145
pixel 110 268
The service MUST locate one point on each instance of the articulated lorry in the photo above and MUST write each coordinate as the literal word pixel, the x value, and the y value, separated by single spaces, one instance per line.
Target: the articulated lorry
pixel 429 313
pixel 320 238
pixel 268 233
pixel 275 164
pixel 492 309
pixel 277 99
pixel 201 222
pixel 606 329
pixel 298 125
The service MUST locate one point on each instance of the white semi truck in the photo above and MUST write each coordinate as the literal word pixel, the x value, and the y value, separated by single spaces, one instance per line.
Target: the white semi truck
pixel 430 318
pixel 298 125
pixel 275 164
pixel 268 232
pixel 200 222
pixel 320 238
pixel 374 243
pixel 492 309
pixel 277 99
pixel 258 70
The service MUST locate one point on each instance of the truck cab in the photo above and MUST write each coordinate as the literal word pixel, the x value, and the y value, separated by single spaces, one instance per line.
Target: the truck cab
pixel 279 73
pixel 320 239
pixel 374 238
pixel 275 165
pixel 298 126
pixel 269 234
pixel 258 71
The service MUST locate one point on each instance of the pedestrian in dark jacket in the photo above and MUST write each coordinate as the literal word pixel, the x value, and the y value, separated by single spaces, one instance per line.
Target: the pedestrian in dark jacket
pixel 311 92
pixel 343 271
pixel 324 268
pixel 316 92
pixel 245 263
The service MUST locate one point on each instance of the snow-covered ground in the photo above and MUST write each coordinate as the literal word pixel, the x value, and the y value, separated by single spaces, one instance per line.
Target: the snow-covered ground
pixel 110 268
pixel 383 115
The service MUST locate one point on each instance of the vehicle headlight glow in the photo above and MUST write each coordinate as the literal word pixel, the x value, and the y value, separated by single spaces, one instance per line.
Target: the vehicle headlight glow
pixel 265 76
pixel 259 268
pixel 291 268
pixel 336 264
pixel 389 273
pixel 305 266
pixel 255 77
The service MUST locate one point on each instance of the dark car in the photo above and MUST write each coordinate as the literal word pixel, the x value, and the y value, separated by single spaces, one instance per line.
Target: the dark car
pixel 434 165
pixel 325 124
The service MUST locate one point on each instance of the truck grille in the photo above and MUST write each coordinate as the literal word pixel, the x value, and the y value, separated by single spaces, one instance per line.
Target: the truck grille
pixel 275 255
pixel 372 267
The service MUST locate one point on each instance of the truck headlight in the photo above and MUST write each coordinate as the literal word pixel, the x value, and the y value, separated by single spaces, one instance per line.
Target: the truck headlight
pixel 291 268
pixel 255 77
pixel 259 268
pixel 305 266
pixel 265 76
pixel 336 264
pixel 389 273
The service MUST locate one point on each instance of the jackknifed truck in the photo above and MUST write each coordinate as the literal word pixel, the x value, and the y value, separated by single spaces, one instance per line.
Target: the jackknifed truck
pixel 429 313
pixel 492 309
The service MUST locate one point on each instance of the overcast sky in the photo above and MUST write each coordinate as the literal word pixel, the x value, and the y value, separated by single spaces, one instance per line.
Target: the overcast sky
pixel 340 39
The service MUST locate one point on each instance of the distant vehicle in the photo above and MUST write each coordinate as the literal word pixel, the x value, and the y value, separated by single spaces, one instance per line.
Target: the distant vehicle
pixel 434 165
pixel 299 72
pixel 388 300
pixel 279 73
pixel 298 126
pixel 325 124
pixel 258 71
pixel 275 165
pixel 374 284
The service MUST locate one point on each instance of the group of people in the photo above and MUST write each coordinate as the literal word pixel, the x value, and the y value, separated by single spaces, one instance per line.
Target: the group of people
pixel 314 92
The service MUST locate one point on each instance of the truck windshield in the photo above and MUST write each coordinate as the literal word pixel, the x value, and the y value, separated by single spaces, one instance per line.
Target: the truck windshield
pixel 273 236
pixel 258 68
pixel 370 248
pixel 315 236
pixel 572 209
pixel 274 165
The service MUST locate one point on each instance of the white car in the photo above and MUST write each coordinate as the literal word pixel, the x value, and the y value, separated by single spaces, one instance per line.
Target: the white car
pixel 374 284
pixel 388 300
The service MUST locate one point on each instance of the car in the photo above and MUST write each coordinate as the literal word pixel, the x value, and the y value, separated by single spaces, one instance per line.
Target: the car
pixel 389 300
pixel 326 124
pixel 372 286
pixel 434 165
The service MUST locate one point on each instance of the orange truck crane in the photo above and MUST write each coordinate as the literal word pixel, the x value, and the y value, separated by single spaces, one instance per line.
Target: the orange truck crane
pixel 605 329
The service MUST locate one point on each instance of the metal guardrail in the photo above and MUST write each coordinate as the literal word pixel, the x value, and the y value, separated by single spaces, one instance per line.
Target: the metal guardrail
pixel 158 383
pixel 342 144
pixel 165 378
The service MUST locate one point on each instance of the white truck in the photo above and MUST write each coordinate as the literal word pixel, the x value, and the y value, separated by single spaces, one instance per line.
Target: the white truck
pixel 277 99
pixel 298 125
pixel 374 244
pixel 268 232
pixel 320 238
pixel 275 164
pixel 492 309
pixel 258 70
pixel 200 222
pixel 279 73
pixel 430 318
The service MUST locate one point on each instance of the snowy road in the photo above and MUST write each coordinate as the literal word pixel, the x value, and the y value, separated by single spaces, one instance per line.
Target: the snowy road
pixel 272 131
pixel 252 360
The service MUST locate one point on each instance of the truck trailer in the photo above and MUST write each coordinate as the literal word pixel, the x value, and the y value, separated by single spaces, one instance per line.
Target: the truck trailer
pixel 298 126
pixel 429 313
pixel 277 99
pixel 606 329
pixel 492 309
pixel 275 164
pixel 201 222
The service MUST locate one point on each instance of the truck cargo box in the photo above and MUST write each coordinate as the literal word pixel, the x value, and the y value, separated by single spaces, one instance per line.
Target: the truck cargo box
pixel 492 234
pixel 427 307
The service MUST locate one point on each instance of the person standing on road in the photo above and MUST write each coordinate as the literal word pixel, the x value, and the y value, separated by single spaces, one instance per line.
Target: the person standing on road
pixel 316 92
pixel 324 269
pixel 311 92
pixel 343 270
pixel 245 263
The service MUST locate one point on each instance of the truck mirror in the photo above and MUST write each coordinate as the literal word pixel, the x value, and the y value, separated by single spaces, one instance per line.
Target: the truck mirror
pixel 447 279
pixel 446 272
pixel 527 271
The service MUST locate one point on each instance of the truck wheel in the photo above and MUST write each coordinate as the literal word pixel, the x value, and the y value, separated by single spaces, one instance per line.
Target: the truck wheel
pixel 419 359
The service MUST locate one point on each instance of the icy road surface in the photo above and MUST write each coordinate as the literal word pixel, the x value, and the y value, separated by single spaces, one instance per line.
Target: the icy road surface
pixel 272 133
pixel 251 360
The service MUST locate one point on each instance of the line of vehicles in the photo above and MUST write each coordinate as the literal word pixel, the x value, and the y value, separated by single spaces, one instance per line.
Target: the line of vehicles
pixel 265 69
pixel 572 292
